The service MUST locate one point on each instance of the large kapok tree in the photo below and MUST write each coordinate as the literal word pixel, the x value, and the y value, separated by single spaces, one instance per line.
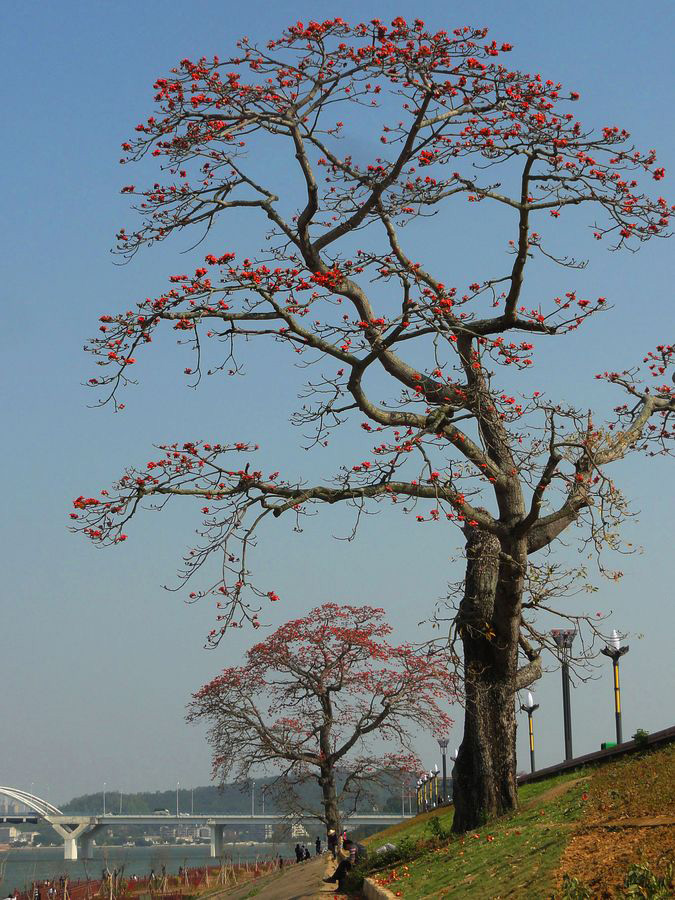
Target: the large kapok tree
pixel 325 699
pixel 376 128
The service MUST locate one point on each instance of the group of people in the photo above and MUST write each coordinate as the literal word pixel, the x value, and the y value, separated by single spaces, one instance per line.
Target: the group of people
pixel 48 889
pixel 302 852
pixel 42 890
pixel 353 852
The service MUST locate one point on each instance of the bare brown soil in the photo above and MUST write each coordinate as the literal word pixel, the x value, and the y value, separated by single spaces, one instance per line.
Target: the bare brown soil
pixel 629 818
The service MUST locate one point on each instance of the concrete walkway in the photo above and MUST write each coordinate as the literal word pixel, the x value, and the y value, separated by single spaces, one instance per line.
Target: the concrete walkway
pixel 298 881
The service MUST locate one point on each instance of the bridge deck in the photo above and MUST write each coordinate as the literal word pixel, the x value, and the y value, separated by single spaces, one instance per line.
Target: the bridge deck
pixel 231 819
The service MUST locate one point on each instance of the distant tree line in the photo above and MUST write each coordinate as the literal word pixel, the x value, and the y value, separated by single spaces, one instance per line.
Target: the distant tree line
pixel 208 800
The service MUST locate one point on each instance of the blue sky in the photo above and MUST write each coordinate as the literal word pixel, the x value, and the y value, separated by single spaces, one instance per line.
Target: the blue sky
pixel 99 659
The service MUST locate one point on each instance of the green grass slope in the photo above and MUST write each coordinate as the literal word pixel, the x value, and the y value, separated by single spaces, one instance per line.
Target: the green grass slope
pixel 570 824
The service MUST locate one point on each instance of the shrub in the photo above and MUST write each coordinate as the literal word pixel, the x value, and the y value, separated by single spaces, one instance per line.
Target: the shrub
pixel 437 829
pixel 641 738
pixel 573 889
pixel 406 850
pixel 642 882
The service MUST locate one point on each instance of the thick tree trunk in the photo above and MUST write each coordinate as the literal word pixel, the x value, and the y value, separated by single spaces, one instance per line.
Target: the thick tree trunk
pixel 330 801
pixel 484 777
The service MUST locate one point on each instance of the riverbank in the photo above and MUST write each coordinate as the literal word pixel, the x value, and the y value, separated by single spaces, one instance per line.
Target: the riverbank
pixel 23 866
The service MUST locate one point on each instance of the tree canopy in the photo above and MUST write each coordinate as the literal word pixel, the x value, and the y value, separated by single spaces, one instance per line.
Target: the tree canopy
pixel 318 699
pixel 382 127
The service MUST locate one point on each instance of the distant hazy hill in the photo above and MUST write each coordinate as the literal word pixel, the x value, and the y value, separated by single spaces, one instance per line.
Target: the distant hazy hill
pixel 210 800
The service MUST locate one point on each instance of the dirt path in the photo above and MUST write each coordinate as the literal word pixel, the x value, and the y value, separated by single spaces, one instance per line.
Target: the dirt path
pixel 297 882
pixel 642 822
pixel 553 792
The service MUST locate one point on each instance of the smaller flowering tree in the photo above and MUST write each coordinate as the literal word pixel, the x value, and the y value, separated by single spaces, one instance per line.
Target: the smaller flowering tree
pixel 311 698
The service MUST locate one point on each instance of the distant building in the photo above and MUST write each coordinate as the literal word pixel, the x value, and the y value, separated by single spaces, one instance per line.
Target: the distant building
pixel 9 833
pixel 10 808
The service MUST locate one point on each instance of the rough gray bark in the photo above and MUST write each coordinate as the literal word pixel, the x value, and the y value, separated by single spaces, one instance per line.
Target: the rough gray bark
pixel 329 799
pixel 488 623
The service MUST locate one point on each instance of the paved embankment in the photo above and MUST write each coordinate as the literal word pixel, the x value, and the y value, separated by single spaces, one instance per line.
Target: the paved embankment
pixel 298 881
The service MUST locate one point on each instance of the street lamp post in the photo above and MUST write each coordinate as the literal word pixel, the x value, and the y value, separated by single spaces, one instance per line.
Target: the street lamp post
pixel 453 756
pixel 615 651
pixel 435 777
pixel 529 707
pixel 177 786
pixel 563 638
pixel 192 801
pixel 443 745
pixel 252 799
pixel 104 785
pixel 120 801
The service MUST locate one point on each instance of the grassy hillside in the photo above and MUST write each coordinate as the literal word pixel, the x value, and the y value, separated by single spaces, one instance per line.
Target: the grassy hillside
pixel 590 825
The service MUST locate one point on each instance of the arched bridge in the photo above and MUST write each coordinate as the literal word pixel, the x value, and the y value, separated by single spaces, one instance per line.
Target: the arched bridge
pixel 78 832
pixel 41 807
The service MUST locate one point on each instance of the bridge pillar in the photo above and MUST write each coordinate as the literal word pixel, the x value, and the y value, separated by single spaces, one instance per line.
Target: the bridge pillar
pixel 217 840
pixel 87 841
pixel 70 848
pixel 77 839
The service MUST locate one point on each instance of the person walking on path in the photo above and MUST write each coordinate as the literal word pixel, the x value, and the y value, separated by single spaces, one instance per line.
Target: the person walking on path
pixel 318 845
pixel 332 842
pixel 298 853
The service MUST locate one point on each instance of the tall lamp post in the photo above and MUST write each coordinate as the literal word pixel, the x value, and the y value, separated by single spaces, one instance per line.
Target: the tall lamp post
pixel 615 651
pixel 443 746
pixel 454 757
pixel 104 785
pixel 529 707
pixel 252 799
pixel 563 638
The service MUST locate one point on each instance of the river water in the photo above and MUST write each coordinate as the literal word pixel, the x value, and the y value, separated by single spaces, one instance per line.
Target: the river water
pixel 23 866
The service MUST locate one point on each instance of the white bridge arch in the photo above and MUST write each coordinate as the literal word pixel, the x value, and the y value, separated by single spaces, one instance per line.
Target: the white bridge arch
pixel 42 807
pixel 76 831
